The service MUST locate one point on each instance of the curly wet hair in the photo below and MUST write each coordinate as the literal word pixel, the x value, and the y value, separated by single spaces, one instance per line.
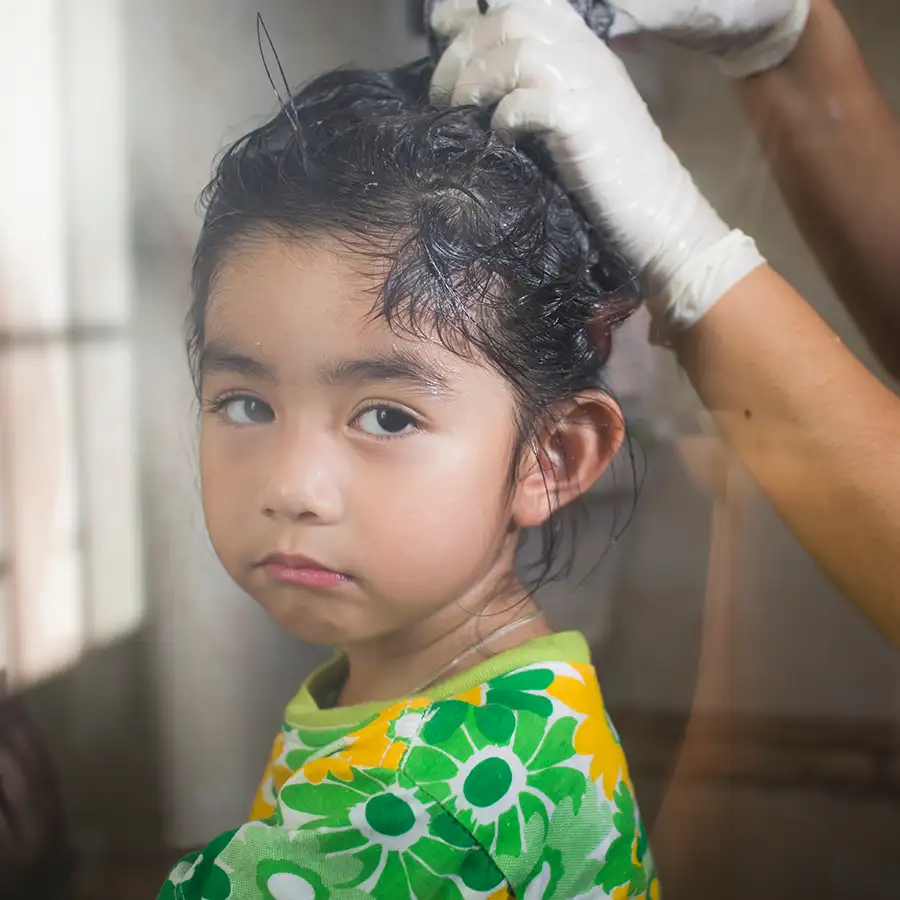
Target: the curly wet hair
pixel 477 244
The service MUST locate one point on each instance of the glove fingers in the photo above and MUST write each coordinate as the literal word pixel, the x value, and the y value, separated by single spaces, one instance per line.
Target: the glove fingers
pixel 449 69
pixel 531 20
pixel 529 111
pixel 558 70
pixel 450 17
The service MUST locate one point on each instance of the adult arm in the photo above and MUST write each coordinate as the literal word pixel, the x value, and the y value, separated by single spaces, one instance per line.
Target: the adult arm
pixel 820 435
pixel 833 144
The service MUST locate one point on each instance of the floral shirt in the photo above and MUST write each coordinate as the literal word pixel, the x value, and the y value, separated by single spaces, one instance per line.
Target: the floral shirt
pixel 505 782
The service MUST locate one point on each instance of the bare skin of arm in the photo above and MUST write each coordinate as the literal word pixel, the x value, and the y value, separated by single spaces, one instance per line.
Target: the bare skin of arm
pixel 820 436
pixel 816 430
pixel 833 144
pixel 822 440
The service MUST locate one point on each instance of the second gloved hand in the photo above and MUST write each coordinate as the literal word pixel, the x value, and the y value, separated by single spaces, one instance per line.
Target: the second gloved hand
pixel 550 75
pixel 744 36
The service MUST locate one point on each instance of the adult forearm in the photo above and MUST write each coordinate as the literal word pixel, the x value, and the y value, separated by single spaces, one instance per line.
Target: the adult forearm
pixel 820 435
pixel 833 143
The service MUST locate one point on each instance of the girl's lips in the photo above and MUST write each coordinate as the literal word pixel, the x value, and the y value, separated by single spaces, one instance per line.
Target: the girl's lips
pixel 301 572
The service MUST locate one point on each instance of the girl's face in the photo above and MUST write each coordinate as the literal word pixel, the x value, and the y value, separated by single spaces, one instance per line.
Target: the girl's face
pixel 354 481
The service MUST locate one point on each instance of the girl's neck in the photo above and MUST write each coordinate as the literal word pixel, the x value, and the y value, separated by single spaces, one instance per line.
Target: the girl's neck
pixel 386 669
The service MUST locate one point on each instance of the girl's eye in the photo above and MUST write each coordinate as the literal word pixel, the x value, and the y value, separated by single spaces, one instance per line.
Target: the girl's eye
pixel 247 411
pixel 385 421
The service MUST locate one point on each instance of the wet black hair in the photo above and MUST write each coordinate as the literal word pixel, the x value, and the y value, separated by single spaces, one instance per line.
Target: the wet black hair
pixel 478 243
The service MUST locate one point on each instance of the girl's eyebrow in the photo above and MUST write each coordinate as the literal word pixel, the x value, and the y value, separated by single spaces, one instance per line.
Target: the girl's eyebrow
pixel 396 365
pixel 219 357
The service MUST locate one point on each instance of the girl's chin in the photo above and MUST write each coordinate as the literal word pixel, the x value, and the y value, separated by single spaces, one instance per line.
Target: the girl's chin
pixel 313 620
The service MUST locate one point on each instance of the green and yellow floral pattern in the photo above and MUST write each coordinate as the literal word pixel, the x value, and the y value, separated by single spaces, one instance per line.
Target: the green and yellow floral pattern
pixel 514 788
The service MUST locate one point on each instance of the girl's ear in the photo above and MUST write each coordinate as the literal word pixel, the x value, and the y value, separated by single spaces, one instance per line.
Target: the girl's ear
pixel 573 452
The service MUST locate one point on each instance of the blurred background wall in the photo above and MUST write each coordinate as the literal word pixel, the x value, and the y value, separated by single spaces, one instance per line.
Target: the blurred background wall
pixel 160 736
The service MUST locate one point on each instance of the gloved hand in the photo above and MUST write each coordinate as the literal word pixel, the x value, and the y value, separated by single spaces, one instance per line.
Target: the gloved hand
pixel 744 36
pixel 551 75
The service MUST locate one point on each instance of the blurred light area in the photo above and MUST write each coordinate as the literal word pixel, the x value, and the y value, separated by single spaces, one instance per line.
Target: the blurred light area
pixel 32 215
pixel 45 604
pixel 70 566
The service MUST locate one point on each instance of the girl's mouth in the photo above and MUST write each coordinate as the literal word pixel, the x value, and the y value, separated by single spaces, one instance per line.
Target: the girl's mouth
pixel 300 571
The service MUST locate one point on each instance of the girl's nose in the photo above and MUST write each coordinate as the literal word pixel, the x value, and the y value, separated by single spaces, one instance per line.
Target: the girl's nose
pixel 303 480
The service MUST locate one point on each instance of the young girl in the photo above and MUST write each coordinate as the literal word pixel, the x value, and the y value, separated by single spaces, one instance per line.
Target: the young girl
pixel 390 341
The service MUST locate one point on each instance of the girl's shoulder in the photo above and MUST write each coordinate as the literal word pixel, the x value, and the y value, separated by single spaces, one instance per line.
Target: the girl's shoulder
pixel 521 774
pixel 540 695
pixel 509 783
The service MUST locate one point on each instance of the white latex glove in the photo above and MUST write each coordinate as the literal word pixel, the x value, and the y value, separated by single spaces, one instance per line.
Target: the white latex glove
pixel 744 36
pixel 551 75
